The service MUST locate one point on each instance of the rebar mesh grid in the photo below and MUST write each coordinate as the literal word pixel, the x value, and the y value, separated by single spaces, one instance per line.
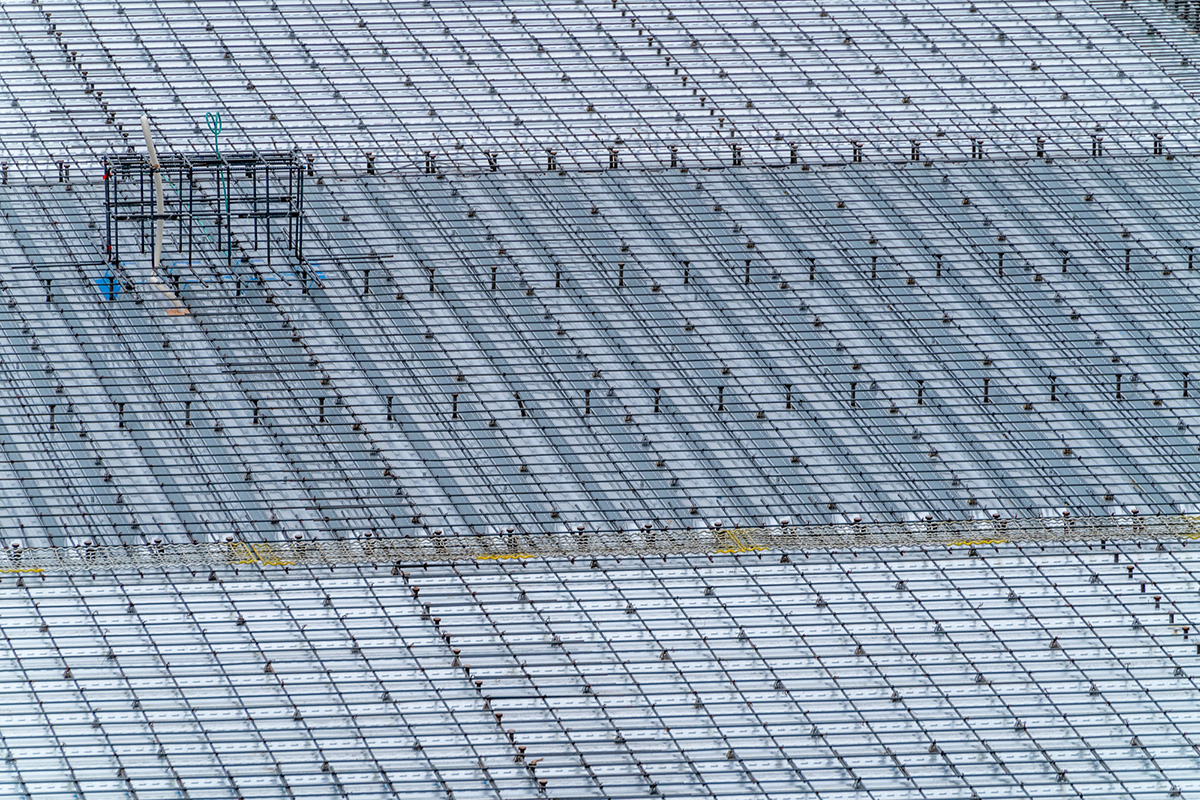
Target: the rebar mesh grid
pixel 542 352
pixel 541 84
pixel 1028 670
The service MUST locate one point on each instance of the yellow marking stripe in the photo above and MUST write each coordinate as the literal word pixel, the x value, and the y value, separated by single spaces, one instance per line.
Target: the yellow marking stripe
pixel 274 559
pixel 743 543
pixel 250 555
pixel 246 553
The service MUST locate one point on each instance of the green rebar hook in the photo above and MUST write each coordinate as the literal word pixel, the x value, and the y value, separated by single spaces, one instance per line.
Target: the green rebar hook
pixel 213 120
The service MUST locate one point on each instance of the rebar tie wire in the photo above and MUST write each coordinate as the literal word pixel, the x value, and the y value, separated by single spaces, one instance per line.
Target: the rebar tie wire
pixel 904 536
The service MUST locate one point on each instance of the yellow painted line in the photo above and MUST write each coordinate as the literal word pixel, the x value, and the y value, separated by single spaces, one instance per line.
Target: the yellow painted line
pixel 979 541
pixel 247 554
pixel 740 546
pixel 30 569
pixel 250 555
pixel 505 556
pixel 274 560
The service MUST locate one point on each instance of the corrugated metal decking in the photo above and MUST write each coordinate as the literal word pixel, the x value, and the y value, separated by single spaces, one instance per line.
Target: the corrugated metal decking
pixel 475 353
pixel 1020 673
pixel 520 78
pixel 618 281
